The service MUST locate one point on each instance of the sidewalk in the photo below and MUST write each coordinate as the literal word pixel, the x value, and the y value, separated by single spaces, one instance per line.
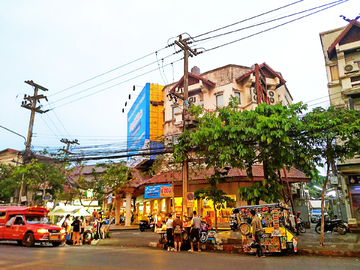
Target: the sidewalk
pixel 308 243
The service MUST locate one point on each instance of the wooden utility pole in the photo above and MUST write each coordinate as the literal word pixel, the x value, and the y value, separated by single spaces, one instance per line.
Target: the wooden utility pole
pixel 30 104
pixel 67 142
pixel 185 168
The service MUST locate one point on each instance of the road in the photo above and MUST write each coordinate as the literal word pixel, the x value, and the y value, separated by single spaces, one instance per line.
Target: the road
pixel 114 257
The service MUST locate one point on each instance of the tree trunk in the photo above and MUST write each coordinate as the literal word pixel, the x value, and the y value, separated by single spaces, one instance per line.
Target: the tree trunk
pixel 328 162
pixel 215 218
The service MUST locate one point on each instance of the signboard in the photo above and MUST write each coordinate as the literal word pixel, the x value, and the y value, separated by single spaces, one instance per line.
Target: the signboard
pixel 144 123
pixel 109 198
pixel 334 180
pixel 47 197
pixel 354 179
pixel 89 193
pixel 23 198
pixel 190 199
pixel 138 129
pixel 158 191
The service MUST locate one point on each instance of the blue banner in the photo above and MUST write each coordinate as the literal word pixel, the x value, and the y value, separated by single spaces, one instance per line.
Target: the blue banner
pixel 158 191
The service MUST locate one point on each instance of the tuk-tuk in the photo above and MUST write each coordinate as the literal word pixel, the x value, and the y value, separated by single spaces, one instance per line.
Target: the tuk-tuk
pixel 275 238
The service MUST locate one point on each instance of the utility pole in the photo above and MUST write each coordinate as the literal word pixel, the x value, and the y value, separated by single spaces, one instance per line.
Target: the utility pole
pixel 67 142
pixel 185 167
pixel 30 104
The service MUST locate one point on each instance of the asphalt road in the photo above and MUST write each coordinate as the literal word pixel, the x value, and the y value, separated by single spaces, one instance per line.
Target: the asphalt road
pixel 108 257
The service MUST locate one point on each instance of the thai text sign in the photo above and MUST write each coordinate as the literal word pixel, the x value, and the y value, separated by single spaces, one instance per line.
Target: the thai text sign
pixel 158 191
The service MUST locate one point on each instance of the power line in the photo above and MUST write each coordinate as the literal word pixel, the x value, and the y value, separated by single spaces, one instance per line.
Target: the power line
pixel 122 75
pixel 49 127
pixel 264 22
pixel 114 85
pixel 256 16
pixel 107 72
pixel 279 25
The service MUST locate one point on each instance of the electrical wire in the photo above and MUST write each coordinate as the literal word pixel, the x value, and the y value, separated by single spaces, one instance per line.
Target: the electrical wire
pixel 122 75
pixel 248 19
pixel 107 72
pixel 274 27
pixel 265 22
pixel 113 85
pixel 49 127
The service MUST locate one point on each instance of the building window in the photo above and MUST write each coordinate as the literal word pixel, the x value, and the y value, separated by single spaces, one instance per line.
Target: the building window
pixel 237 96
pixel 175 139
pixel 202 103
pixel 174 111
pixel 219 101
pixel 334 71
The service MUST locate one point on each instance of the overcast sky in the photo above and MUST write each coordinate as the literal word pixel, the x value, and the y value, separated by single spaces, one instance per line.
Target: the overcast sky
pixel 60 44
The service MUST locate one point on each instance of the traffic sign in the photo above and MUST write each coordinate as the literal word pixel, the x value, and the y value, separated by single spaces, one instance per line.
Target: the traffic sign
pixel 47 197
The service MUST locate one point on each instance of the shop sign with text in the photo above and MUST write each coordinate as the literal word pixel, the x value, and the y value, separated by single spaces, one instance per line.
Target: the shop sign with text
pixel 158 191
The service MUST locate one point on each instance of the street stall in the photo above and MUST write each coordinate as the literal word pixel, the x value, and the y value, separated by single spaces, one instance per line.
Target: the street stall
pixel 275 218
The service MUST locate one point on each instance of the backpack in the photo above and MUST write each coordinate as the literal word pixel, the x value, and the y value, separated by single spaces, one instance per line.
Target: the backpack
pixel 177 229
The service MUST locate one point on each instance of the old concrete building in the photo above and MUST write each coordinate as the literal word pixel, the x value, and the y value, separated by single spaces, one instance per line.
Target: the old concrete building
pixel 341 48
pixel 214 88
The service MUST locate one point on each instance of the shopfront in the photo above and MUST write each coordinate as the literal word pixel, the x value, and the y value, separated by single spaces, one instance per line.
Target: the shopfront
pixel 354 184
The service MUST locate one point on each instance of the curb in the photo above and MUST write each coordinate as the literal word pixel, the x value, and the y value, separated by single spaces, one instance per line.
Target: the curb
pixel 304 252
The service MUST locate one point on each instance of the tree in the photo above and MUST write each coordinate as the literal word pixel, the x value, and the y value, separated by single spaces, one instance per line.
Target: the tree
pixel 8 183
pixel 330 135
pixel 41 176
pixel 229 137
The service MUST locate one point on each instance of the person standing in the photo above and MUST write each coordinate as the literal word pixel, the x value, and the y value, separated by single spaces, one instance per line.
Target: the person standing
pixel 66 226
pixel 76 231
pixel 256 232
pixel 169 233
pixel 177 229
pixel 82 229
pixel 99 225
pixel 195 232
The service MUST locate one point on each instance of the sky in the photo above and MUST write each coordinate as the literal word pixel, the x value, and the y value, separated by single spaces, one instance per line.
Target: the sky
pixel 90 54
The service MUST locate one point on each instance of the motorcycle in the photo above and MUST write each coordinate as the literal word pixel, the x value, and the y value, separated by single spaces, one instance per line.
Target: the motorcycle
pixel 336 225
pixel 234 223
pixel 204 227
pixel 301 225
pixel 144 224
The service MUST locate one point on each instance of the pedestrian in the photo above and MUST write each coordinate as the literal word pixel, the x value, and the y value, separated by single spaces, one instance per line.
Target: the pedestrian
pixel 169 233
pixel 177 230
pixel 76 231
pixel 82 230
pixel 66 226
pixel 195 232
pixel 99 223
pixel 208 221
pixel 256 233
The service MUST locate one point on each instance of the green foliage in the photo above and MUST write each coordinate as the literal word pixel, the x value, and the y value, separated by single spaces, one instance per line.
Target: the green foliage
pixel 41 176
pixel 8 183
pixel 268 193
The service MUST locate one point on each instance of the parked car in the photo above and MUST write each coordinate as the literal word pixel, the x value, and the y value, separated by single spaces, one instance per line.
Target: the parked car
pixel 315 214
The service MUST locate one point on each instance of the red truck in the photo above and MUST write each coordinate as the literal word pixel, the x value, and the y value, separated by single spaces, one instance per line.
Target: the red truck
pixel 28 225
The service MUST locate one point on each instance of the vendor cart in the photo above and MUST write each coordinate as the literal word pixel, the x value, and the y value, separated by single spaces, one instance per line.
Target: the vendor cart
pixel 276 238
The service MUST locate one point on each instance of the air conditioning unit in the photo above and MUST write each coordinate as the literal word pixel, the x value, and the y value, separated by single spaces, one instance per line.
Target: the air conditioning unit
pixel 351 67
pixel 271 93
pixel 272 100
pixel 192 99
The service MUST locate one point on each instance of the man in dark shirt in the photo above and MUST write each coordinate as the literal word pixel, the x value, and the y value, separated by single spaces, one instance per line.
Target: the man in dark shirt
pixel 76 231
pixel 256 232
